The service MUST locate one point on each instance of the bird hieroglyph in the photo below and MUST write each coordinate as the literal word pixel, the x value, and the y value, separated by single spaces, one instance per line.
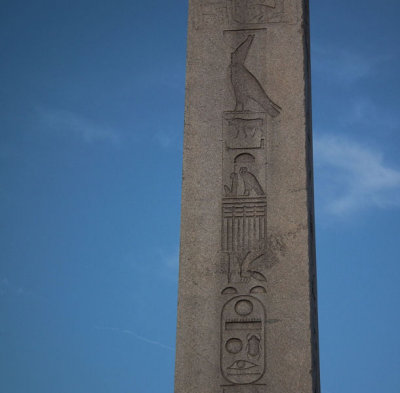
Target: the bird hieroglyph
pixel 245 85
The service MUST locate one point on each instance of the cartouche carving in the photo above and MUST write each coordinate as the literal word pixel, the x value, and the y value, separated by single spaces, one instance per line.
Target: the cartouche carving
pixel 243 340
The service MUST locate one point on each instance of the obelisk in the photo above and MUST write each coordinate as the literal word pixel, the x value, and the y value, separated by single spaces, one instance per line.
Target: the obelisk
pixel 247 313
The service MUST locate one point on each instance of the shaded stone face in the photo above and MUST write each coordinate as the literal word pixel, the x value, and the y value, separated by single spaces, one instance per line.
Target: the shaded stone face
pixel 247 318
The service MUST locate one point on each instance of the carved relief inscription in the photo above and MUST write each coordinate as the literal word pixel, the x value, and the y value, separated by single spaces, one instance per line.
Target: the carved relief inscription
pixel 242 335
pixel 244 131
pixel 258 13
pixel 245 84
pixel 252 11
pixel 244 212
pixel 245 13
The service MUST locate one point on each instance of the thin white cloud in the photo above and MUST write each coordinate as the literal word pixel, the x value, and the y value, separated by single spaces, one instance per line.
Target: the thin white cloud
pixel 365 112
pixel 135 335
pixel 344 65
pixel 71 123
pixel 350 177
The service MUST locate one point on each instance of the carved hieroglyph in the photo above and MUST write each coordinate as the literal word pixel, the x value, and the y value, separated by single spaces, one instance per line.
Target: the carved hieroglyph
pixel 245 84
pixel 242 334
pixel 247 294
pixel 249 14
pixel 244 217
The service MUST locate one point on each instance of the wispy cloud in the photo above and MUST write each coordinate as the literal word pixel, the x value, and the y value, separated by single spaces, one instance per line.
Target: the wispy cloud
pixel 351 176
pixel 135 335
pixel 363 111
pixel 71 123
pixel 344 65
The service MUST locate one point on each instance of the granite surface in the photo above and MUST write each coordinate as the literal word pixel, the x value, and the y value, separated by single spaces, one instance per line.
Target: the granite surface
pixel 247 313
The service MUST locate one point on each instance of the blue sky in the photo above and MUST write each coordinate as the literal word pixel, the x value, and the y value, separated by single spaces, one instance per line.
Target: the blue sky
pixel 91 124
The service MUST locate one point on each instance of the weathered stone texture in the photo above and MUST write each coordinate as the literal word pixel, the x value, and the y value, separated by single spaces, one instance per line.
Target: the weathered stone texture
pixel 247 317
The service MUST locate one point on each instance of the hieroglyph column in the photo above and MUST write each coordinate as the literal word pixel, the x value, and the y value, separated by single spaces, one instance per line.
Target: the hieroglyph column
pixel 247 314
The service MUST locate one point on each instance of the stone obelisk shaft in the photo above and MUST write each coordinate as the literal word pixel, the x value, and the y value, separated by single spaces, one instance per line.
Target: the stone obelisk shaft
pixel 247 314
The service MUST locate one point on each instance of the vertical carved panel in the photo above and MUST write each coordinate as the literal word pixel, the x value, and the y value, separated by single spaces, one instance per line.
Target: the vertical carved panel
pixel 244 210
pixel 247 238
